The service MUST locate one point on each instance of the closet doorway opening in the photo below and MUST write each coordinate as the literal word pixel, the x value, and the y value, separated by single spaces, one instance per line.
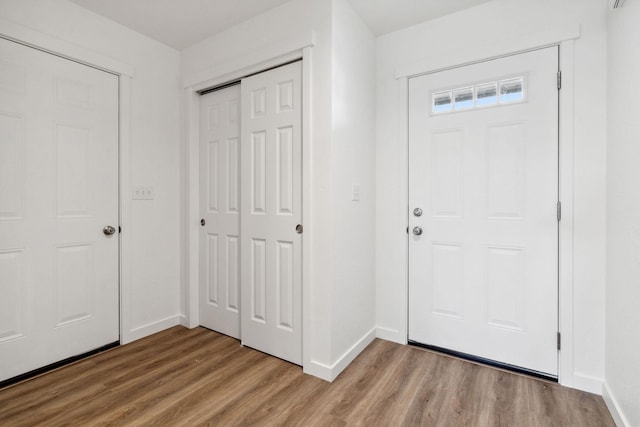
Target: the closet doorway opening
pixel 250 209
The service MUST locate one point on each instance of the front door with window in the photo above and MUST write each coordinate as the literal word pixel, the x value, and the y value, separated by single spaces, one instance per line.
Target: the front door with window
pixel 483 235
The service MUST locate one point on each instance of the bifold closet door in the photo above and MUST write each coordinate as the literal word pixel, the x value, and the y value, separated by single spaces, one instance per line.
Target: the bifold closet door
pixel 220 211
pixel 58 209
pixel 271 203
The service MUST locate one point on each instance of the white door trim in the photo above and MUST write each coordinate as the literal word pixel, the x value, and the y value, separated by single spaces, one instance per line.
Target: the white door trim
pixel 41 41
pixel 552 37
pixel 565 40
pixel 300 47
pixel 566 374
pixel 266 57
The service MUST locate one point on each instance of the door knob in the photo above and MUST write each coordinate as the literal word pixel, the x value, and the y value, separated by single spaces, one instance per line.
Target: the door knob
pixel 202 222
pixel 299 228
pixel 108 230
pixel 417 230
pixel 417 212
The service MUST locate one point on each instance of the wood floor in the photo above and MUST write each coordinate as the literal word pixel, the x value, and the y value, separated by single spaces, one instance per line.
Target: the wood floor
pixel 198 377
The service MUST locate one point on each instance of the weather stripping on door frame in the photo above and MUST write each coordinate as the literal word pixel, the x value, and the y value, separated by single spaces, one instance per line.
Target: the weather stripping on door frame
pixel 484 361
pixel 56 365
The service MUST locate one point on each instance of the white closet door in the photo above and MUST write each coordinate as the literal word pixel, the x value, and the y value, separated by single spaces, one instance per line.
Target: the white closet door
pixel 220 211
pixel 58 190
pixel 483 169
pixel 271 319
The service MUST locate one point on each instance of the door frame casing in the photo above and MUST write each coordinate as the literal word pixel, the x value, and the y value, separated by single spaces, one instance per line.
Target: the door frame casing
pixel 40 41
pixel 563 38
pixel 300 47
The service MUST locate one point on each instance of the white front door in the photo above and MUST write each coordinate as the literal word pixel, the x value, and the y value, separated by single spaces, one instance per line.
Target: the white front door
pixel 58 190
pixel 220 211
pixel 483 273
pixel 271 209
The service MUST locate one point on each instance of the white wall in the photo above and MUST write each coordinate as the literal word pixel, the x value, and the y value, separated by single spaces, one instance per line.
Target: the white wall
pixel 486 25
pixel 154 230
pixel 353 162
pixel 623 215
pixel 342 264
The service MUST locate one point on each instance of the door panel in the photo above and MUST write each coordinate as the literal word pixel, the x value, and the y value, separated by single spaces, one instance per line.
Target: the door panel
pixel 58 189
pixel 271 209
pixel 483 143
pixel 220 208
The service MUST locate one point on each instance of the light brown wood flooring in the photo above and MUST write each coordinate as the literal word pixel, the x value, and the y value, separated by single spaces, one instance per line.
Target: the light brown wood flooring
pixel 198 377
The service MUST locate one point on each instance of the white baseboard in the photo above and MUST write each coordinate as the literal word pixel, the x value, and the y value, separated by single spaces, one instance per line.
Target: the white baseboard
pixel 330 373
pixel 587 383
pixel 319 370
pixel 614 407
pixel 348 357
pixel 183 321
pixel 151 328
pixel 392 335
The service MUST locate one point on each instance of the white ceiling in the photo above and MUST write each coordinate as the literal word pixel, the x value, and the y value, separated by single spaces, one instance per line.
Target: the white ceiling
pixel 385 16
pixel 179 23
pixel 182 23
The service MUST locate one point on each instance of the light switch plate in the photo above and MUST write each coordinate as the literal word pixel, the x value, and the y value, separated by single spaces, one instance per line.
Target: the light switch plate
pixel 142 193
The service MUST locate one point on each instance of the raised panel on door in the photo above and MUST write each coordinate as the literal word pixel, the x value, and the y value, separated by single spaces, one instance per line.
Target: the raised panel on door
pixel 12 303
pixel 12 166
pixel 58 189
pixel 483 167
pixel 74 155
pixel 271 316
pixel 74 283
pixel 220 210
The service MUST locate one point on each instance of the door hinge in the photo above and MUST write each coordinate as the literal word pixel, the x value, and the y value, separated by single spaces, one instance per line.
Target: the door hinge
pixel 559 210
pixel 559 80
pixel 407 229
pixel 559 341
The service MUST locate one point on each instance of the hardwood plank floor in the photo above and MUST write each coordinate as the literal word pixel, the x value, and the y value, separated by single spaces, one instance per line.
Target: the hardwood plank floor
pixel 195 377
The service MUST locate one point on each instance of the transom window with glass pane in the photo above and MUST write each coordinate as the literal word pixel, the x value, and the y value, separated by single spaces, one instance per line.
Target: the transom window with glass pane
pixel 485 94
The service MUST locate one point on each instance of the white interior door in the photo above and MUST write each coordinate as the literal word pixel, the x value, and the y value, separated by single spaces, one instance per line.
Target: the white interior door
pixel 483 275
pixel 271 316
pixel 220 211
pixel 58 189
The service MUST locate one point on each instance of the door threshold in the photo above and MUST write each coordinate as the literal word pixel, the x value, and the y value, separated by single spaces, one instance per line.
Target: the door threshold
pixel 488 362
pixel 56 365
